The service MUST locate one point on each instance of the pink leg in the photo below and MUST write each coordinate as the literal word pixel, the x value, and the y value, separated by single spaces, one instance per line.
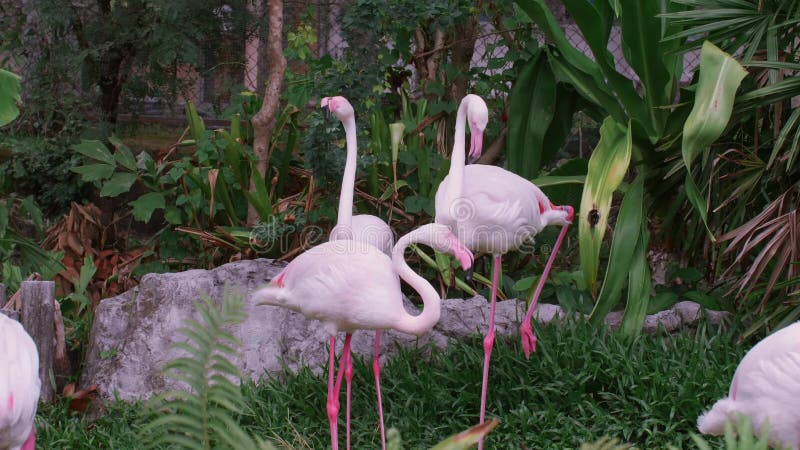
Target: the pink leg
pixel 333 401
pixel 348 377
pixel 488 343
pixel 376 369
pixel 528 339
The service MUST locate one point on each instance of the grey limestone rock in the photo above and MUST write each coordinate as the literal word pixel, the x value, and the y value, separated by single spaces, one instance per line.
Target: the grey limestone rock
pixel 133 334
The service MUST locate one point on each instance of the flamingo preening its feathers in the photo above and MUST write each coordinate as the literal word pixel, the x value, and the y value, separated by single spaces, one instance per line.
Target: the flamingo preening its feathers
pixel 19 386
pixel 351 285
pixel 766 389
pixel 494 211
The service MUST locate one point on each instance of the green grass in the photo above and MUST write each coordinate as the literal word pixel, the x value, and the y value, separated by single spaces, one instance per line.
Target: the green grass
pixel 580 385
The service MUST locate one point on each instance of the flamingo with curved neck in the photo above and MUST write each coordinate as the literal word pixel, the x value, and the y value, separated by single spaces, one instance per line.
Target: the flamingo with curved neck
pixel 494 211
pixel 350 285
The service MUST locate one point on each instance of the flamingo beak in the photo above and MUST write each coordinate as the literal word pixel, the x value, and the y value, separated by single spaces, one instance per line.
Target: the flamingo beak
pixel 324 104
pixel 570 212
pixel 475 146
pixel 461 252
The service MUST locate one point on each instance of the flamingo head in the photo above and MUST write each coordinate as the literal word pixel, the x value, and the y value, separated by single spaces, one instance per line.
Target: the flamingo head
pixel 477 117
pixel 338 106
pixel 441 239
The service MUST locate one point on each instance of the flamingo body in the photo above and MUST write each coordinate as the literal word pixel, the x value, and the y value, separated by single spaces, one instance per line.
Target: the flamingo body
pixel 352 284
pixel 19 386
pixel 369 229
pixel 765 387
pixel 498 210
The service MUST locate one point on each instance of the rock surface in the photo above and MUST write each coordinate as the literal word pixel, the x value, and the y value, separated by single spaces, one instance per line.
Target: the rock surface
pixel 133 333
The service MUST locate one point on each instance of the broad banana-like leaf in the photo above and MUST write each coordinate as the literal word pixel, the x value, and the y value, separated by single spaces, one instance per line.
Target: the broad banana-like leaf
pixel 623 246
pixel 467 438
pixel 594 20
pixel 720 76
pixel 638 287
pixel 532 105
pixel 196 125
pixel 607 167
pixel 9 96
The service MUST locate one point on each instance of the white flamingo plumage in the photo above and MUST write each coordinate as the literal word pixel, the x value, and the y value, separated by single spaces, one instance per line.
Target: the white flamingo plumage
pixel 350 285
pixel 765 387
pixel 495 211
pixel 362 227
pixel 19 386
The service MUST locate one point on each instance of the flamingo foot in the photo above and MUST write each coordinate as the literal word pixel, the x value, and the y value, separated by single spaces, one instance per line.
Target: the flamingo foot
pixel 333 418
pixel 528 339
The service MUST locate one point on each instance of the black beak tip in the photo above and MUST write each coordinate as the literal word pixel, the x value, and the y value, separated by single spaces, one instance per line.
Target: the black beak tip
pixel 326 111
pixel 472 160
pixel 468 275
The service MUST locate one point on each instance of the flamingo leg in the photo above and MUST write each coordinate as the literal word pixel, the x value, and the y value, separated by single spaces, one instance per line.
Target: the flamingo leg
pixel 348 377
pixel 488 343
pixel 376 369
pixel 333 401
pixel 335 390
pixel 525 331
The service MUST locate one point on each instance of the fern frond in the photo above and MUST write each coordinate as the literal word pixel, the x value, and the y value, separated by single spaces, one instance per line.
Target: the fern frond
pixel 203 416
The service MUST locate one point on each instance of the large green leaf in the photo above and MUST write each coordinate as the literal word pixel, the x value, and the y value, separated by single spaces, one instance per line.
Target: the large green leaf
pixel 9 96
pixel 144 206
pixel 626 237
pixel 720 76
pixel 119 183
pixel 639 284
pixel 260 199
pixel 532 104
pixel 123 154
pixel 197 127
pixel 594 20
pixel 641 44
pixel 540 13
pixel 587 86
pixel 607 167
pixel 94 172
pixel 95 150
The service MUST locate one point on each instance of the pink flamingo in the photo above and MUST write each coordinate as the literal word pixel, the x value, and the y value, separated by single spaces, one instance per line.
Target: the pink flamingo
pixel 495 211
pixel 19 386
pixel 765 388
pixel 351 285
pixel 362 227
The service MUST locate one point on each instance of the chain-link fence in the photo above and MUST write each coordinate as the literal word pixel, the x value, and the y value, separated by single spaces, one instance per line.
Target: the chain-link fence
pixel 238 59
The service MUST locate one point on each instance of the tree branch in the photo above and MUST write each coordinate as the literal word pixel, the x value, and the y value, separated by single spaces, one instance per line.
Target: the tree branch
pixel 264 120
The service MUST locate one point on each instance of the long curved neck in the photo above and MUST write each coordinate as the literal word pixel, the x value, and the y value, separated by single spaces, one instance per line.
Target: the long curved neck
pixel 458 156
pixel 432 303
pixel 345 217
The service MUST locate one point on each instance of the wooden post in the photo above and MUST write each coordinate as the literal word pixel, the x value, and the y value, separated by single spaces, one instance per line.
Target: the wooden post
pixel 37 319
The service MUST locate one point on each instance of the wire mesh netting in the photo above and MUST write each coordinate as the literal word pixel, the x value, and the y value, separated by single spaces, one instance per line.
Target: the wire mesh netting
pixel 234 59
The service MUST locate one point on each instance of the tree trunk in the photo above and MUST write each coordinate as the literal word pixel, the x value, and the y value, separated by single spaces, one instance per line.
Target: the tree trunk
pixel 264 120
